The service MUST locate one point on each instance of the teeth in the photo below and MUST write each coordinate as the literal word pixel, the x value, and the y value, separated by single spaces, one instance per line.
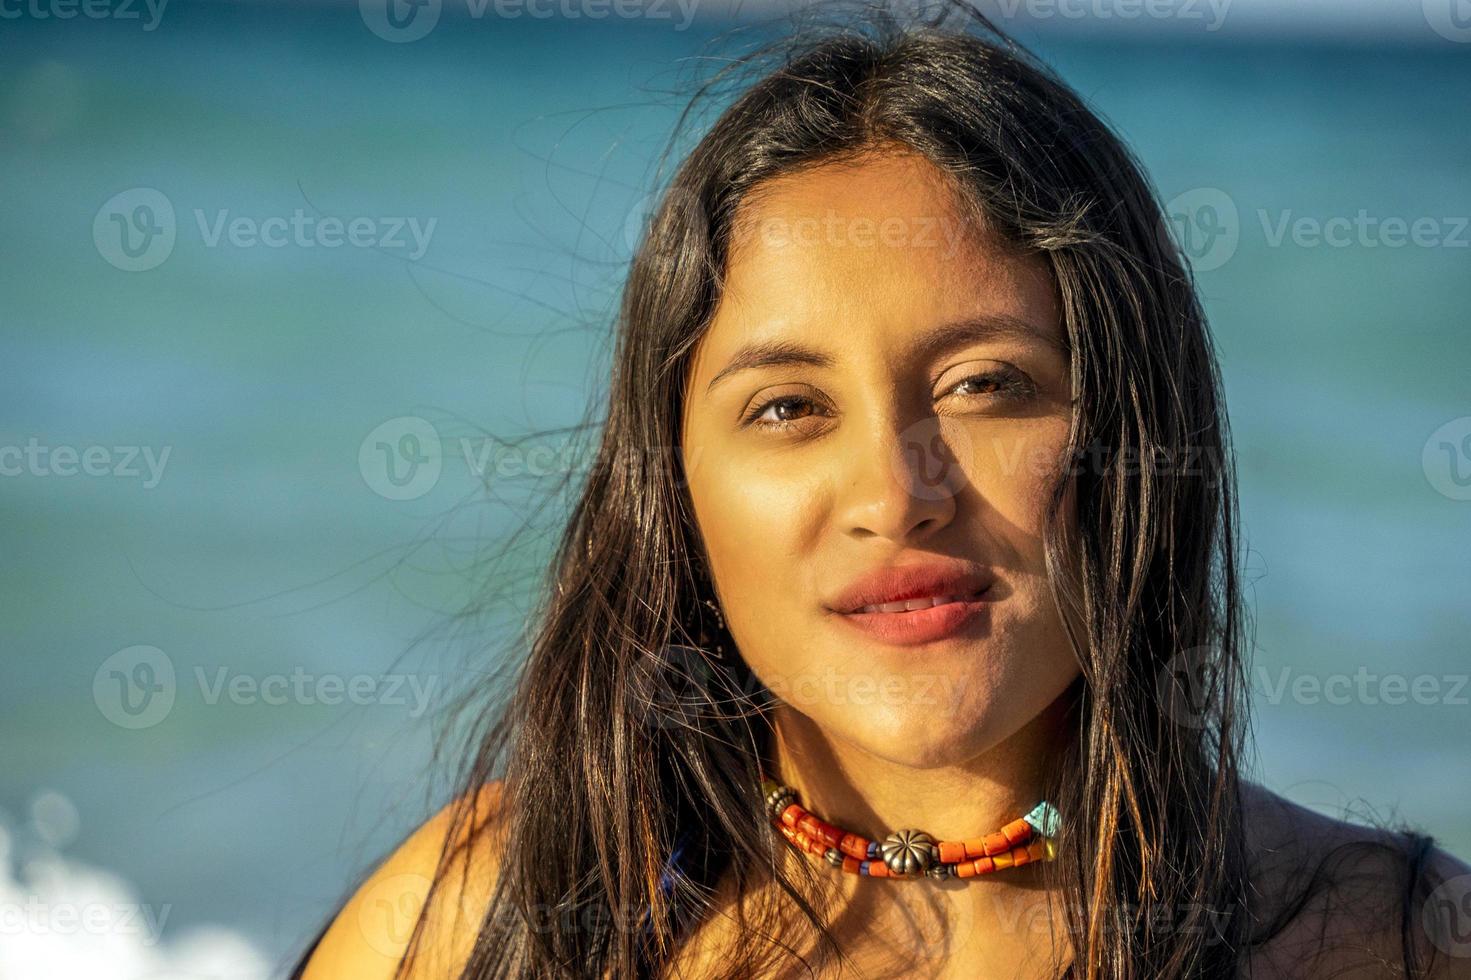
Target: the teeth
pixel 909 605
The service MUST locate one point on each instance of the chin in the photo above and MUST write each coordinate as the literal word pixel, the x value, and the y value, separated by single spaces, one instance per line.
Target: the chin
pixel 919 736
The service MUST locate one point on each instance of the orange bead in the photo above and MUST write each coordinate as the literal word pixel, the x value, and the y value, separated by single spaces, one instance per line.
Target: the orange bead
pixel 828 834
pixel 792 814
pixel 966 870
pixel 1002 860
pixel 878 869
pixel 850 865
pixel 1019 856
pixel 996 844
pixel 952 851
pixel 975 847
pixel 1017 831
pixel 854 846
pixel 984 865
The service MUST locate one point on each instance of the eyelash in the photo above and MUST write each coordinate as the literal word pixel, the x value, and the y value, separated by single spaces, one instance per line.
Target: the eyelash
pixel 1010 385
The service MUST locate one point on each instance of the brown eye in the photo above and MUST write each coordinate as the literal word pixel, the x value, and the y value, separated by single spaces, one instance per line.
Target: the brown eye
pixel 788 409
pixel 980 384
pixel 1005 383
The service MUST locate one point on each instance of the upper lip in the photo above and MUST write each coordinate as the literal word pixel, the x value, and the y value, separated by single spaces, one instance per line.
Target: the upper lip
pixel 896 583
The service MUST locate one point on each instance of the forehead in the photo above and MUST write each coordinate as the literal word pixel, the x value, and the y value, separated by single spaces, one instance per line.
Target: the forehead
pixel 869 250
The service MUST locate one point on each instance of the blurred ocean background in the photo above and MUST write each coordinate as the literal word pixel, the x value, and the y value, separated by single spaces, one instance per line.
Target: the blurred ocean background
pixel 251 472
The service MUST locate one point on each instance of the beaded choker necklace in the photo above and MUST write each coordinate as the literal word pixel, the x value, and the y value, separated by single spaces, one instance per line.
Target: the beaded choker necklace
pixel 913 853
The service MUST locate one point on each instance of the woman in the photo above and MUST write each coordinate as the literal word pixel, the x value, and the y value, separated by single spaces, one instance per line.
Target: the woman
pixel 912 513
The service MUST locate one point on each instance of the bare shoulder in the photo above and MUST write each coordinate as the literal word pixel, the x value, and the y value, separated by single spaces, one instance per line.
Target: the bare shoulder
pixel 1348 900
pixel 372 931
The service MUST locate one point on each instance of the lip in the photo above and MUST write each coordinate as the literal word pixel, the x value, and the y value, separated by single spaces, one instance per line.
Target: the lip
pixel 900 582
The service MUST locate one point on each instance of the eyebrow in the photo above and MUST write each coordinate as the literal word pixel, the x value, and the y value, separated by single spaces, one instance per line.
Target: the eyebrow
pixel 931 343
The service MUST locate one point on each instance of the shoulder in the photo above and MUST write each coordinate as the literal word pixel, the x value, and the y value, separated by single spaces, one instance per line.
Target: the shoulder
pixel 373 930
pixel 1336 898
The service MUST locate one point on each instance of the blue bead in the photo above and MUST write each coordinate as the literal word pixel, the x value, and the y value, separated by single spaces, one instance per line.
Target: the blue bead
pixel 873 850
pixel 1044 819
pixel 863 867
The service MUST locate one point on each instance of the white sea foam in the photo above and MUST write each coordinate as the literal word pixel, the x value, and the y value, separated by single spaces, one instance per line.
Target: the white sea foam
pixel 61 919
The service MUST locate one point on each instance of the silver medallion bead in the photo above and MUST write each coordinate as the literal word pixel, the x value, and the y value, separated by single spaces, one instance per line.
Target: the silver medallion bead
pixel 909 851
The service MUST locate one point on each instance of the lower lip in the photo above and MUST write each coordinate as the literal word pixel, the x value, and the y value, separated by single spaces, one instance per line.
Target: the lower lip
pixel 920 625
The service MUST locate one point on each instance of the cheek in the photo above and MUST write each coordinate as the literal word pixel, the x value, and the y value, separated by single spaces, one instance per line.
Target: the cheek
pixel 1013 474
pixel 760 520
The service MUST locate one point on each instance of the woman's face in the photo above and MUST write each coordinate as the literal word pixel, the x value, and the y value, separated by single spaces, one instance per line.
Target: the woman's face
pixel 883 387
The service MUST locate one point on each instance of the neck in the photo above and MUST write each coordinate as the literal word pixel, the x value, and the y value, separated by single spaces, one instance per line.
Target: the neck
pixel 869 795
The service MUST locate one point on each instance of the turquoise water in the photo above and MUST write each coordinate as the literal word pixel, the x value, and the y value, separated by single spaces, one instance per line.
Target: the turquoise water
pixel 271 543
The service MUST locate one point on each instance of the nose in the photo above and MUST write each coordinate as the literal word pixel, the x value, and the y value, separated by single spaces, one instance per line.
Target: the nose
pixel 900 480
